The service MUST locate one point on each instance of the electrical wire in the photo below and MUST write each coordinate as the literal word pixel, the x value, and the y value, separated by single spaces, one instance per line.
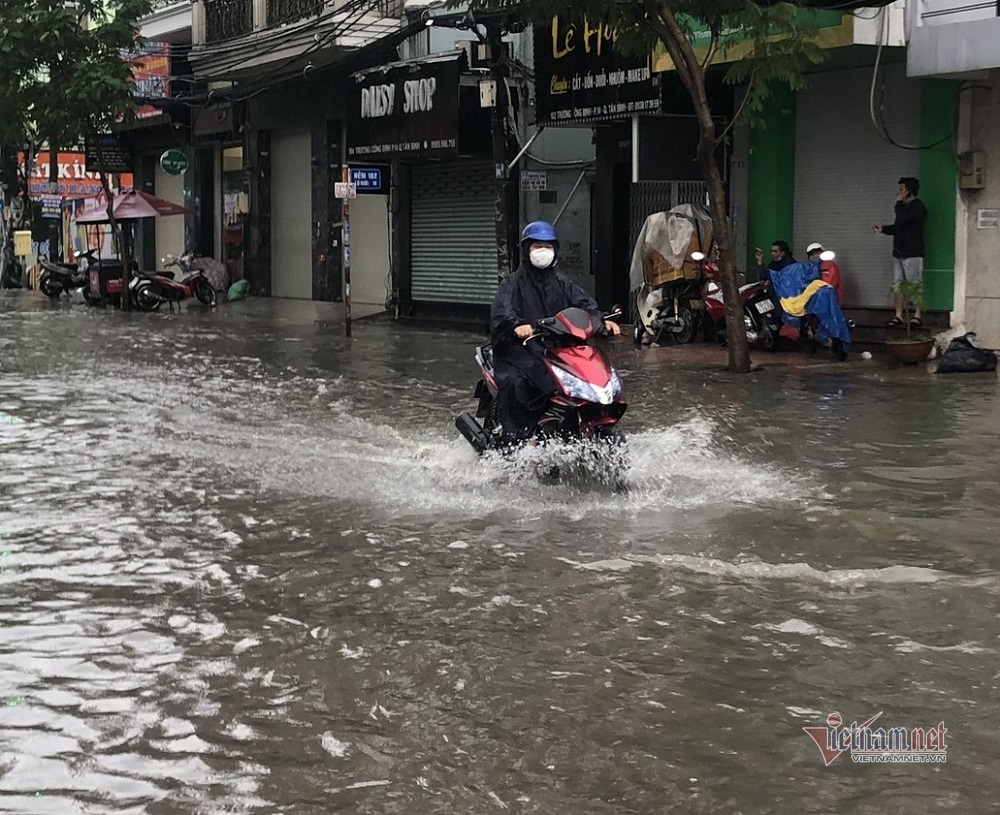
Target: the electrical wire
pixel 879 121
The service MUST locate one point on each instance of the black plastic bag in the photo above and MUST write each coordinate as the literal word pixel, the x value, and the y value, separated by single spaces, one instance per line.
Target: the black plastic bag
pixel 965 356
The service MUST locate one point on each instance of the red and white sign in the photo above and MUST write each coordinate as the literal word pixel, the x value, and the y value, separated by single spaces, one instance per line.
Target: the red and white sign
pixel 151 75
pixel 74 180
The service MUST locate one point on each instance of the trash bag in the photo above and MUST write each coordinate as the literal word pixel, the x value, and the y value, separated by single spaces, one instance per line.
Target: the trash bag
pixel 239 290
pixel 965 355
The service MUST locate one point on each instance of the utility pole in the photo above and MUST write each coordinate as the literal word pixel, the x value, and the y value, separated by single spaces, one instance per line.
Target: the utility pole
pixel 505 194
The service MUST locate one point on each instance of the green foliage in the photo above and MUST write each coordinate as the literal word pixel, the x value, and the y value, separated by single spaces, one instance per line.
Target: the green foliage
pixel 912 292
pixel 64 75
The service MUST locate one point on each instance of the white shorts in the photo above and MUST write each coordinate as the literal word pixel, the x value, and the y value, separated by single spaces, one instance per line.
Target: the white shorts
pixel 911 269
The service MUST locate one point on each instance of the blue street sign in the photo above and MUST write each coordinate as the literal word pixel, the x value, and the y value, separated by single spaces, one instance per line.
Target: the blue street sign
pixel 367 178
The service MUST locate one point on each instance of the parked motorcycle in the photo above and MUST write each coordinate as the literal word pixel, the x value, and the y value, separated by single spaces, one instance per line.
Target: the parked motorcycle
pixel 761 312
pixel 152 289
pixel 62 278
pixel 666 280
pixel 587 402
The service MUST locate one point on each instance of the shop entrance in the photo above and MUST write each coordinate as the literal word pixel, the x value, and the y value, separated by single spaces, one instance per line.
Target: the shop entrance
pixel 235 195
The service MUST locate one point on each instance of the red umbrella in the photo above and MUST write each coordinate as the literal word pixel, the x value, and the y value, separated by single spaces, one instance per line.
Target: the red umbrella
pixel 129 206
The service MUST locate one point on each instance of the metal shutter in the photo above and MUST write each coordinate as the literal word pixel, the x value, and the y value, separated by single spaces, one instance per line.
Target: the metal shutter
pixel 453 234
pixel 846 174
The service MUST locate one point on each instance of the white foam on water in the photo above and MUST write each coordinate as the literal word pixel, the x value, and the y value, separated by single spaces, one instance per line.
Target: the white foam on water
pixel 799 572
pixel 412 472
pixel 333 745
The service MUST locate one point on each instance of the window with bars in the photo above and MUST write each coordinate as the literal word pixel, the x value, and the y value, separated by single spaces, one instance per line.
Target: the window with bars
pixel 227 19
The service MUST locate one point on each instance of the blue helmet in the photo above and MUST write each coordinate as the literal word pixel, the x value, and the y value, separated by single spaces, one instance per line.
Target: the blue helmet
pixel 539 231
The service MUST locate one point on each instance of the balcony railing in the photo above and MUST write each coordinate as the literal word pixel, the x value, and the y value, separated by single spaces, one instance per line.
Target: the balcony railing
pixel 288 11
pixel 227 19
pixel 394 8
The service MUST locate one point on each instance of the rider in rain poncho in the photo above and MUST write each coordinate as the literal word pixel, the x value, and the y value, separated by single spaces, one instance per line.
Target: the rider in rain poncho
pixel 533 292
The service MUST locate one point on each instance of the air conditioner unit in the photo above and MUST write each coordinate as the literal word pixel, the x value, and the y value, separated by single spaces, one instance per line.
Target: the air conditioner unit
pixel 479 53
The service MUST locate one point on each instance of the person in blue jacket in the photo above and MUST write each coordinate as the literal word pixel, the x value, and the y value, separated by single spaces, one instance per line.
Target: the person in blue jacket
pixel 533 292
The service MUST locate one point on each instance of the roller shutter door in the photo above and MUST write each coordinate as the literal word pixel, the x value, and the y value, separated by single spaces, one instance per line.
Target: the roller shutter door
pixel 453 249
pixel 291 214
pixel 846 174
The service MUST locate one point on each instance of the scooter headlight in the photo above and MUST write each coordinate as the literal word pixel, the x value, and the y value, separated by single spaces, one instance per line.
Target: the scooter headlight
pixel 580 389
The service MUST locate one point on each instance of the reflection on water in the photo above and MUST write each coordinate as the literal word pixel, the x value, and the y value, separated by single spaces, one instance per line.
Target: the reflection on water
pixel 247 567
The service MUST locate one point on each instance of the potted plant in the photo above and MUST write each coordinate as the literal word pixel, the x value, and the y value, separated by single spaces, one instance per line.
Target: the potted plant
pixel 917 347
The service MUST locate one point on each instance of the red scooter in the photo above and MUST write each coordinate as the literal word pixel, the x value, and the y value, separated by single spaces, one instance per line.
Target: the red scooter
pixel 152 290
pixel 761 312
pixel 587 401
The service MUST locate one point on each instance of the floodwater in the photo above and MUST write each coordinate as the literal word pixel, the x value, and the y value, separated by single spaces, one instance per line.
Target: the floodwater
pixel 248 566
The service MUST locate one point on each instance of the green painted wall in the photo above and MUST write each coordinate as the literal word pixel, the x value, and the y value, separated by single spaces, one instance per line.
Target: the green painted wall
pixel 771 180
pixel 938 184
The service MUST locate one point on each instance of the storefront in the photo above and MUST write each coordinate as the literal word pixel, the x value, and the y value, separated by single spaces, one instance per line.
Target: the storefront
pixel 425 117
pixel 645 140
pixel 845 170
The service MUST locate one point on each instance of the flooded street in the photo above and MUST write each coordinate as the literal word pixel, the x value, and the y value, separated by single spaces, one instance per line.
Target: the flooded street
pixel 249 566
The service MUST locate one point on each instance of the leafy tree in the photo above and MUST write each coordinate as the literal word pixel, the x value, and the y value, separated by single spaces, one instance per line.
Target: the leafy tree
pixel 65 76
pixel 763 42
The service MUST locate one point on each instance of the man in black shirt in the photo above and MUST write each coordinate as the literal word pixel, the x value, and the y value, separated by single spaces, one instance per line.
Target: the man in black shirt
pixel 781 256
pixel 907 243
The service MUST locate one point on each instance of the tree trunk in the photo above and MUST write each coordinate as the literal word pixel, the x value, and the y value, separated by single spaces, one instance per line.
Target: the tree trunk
pixel 736 333
pixel 118 236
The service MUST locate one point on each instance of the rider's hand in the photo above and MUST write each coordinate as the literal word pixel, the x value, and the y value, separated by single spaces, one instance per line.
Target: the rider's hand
pixel 522 332
pixel 877 228
pixel 612 328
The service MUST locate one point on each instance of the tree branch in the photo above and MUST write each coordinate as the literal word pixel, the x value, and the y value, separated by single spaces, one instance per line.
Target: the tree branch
pixel 713 46
pixel 684 47
pixel 740 109
pixel 653 21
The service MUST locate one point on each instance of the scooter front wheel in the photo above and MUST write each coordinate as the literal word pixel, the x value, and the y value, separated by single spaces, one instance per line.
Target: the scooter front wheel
pixel 50 286
pixel 204 291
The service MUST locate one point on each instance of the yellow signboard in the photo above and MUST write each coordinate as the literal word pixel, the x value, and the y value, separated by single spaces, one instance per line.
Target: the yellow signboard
pixel 832 30
pixel 22 242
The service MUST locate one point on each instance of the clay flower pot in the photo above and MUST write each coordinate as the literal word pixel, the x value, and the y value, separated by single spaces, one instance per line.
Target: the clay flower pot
pixel 909 351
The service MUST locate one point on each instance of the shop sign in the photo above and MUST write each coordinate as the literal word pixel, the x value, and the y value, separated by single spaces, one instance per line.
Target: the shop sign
pixel 406 110
pixel 107 152
pixel 580 77
pixel 533 180
pixel 51 207
pixel 344 189
pixel 174 162
pixel 827 28
pixel 74 180
pixel 150 76
pixel 988 219
pixel 367 179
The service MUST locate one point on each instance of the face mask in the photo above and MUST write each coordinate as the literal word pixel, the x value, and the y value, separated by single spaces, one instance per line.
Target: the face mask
pixel 542 258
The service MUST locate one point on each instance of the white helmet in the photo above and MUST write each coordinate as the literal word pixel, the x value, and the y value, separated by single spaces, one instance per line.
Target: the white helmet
pixel 814 247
